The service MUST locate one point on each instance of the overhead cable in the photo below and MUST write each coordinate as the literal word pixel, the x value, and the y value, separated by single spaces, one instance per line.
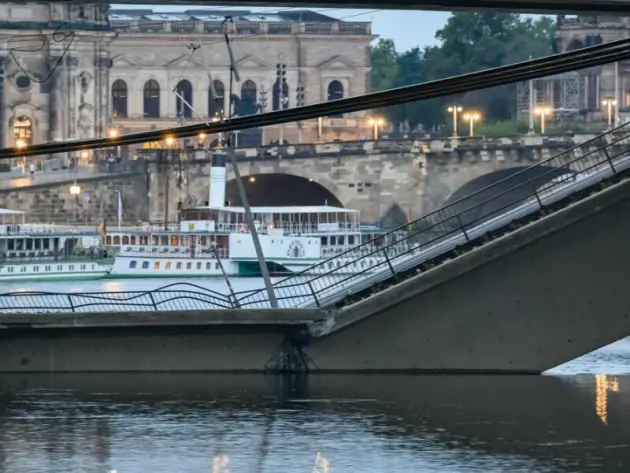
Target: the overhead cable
pixel 532 69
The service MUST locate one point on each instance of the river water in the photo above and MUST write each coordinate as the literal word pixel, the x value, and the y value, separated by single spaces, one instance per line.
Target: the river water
pixel 574 420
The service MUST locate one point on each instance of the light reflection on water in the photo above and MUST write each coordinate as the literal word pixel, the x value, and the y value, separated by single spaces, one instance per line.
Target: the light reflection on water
pixel 342 423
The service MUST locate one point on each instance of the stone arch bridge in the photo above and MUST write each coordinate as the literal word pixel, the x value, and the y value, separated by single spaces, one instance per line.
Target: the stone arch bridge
pixel 411 176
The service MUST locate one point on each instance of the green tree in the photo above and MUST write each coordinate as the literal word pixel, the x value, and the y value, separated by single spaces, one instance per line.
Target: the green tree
pixel 470 42
pixel 384 65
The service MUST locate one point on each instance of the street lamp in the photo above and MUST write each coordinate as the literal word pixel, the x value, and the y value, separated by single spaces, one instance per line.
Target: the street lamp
pixel 542 112
pixel 455 109
pixel 169 140
pixel 112 132
pixel 20 144
pixel 75 190
pixel 609 103
pixel 471 118
pixel 376 123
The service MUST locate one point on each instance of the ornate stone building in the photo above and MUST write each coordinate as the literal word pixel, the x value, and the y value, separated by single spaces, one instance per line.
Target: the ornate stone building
pixel 55 66
pixel 120 68
pixel 582 92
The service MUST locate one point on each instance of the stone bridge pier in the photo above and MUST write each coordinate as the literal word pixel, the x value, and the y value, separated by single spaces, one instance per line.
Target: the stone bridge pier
pixel 386 180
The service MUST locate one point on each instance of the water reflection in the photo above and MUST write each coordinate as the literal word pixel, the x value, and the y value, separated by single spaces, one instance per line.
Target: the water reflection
pixel 318 424
pixel 602 386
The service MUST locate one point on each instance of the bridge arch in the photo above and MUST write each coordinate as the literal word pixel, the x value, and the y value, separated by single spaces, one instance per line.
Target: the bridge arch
pixel 277 189
pixel 501 195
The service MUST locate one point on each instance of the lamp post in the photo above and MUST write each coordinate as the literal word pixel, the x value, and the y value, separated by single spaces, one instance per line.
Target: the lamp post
pixel 75 190
pixel 454 110
pixel 471 118
pixel 21 145
pixel 170 142
pixel 376 123
pixel 609 103
pixel 113 133
pixel 201 138
pixel 542 112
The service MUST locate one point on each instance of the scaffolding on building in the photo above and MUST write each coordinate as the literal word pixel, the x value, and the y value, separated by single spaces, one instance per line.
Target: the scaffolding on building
pixel 562 92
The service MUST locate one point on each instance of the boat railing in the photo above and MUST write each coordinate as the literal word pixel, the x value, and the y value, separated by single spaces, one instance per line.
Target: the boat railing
pixel 360 250
pixel 174 251
pixel 228 227
pixel 42 229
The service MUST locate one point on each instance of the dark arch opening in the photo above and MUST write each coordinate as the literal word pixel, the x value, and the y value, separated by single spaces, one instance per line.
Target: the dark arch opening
pixel 280 96
pixel 216 104
pixel 119 99
pixel 247 103
pixel 335 92
pixel 151 99
pixel 280 190
pixel 502 195
pixel 183 107
pixel 395 217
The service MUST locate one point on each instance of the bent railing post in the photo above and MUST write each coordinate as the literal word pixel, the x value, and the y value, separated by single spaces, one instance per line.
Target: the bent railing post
pixel 313 293
pixel 71 303
pixel 389 263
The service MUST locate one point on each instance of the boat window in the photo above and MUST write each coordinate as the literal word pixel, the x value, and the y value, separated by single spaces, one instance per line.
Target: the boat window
pixel 155 240
pixel 156 265
pixel 174 240
pixel 38 243
pixel 179 266
pixel 108 240
pixel 350 239
pixel 203 241
pixel 46 244
pixel 333 240
pixel 36 269
pixel 71 267
pixel 82 267
pixel 125 239
pixel 188 265
pixel 168 265
pixel 145 265
pixel 47 268
pixel 208 266
pixel 198 265
pixel 19 245
pixel 22 269
pixel 216 266
pixel 144 240
pixel 132 239
pixel 29 244
pixel 324 241
pixel 164 240
pixel 11 245
pixel 132 264
pixel 117 240
pixel 184 241
pixel 59 267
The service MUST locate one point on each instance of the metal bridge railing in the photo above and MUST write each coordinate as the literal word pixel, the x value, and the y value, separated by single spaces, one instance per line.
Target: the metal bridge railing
pixel 453 225
pixel 378 260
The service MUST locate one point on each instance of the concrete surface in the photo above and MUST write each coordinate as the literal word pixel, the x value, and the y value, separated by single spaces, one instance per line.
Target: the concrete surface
pixel 543 295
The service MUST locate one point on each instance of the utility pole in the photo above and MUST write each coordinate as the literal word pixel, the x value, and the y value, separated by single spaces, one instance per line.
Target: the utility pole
pixel 262 108
pixel 239 182
pixel 283 102
pixel 300 102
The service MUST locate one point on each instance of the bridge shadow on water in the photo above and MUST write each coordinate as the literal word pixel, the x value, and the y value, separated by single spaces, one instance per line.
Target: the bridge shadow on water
pixel 536 423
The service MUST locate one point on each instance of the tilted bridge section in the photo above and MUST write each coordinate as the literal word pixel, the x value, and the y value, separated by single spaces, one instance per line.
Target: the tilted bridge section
pixel 381 263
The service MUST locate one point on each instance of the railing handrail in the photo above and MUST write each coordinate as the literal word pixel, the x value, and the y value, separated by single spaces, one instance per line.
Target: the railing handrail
pixel 454 204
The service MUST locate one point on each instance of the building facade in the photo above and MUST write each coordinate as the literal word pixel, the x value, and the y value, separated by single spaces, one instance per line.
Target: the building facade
pixel 583 93
pixel 74 72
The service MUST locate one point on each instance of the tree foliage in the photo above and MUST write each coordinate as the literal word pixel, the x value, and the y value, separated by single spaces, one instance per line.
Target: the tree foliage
pixel 469 42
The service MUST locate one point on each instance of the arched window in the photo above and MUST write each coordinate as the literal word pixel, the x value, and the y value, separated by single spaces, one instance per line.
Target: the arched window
pixel 216 105
pixel 247 103
pixel 280 95
pixel 183 110
pixel 151 99
pixel 23 132
pixel 119 99
pixel 335 92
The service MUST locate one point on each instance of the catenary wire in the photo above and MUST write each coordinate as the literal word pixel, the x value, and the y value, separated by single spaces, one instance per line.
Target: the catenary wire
pixel 532 69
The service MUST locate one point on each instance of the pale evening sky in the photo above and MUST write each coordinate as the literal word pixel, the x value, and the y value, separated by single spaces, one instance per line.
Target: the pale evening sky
pixel 407 29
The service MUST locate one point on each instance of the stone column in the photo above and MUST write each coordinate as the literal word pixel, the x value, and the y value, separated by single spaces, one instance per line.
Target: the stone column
pixel 73 63
pixel 3 130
